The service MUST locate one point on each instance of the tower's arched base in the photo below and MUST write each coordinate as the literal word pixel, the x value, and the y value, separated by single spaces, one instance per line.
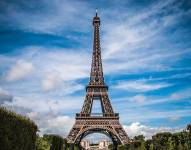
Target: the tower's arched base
pixel 109 126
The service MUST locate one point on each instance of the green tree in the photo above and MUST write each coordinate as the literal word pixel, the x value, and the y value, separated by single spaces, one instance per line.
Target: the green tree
pixel 42 144
pixel 189 135
pixel 184 139
pixel 139 138
pixel 180 141
pixel 149 144
pixel 121 147
pixel 175 141
pixel 139 142
pixel 161 140
pixel 56 142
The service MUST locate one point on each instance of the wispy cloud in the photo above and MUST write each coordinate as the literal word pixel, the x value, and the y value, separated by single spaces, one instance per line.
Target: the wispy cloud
pixel 174 118
pixel 169 77
pixel 44 16
pixel 140 100
pixel 140 86
pixel 133 42
pixel 154 114
pixel 161 107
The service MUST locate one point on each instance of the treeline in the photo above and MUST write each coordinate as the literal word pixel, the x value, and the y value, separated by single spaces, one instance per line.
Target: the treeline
pixel 160 141
pixel 16 132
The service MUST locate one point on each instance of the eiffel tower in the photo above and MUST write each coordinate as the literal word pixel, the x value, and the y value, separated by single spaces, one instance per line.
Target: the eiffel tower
pixel 106 122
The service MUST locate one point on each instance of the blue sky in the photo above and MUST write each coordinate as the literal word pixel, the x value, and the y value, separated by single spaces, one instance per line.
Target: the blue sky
pixel 45 58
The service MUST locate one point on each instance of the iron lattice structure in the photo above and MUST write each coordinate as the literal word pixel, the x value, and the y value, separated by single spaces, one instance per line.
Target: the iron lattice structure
pixel 107 122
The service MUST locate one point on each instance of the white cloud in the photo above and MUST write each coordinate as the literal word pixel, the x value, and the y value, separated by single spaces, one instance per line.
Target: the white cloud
pixel 4 92
pixel 52 123
pixel 136 114
pixel 64 64
pixel 138 99
pixel 44 105
pixel 5 96
pixel 134 29
pixel 182 94
pixel 140 86
pixel 126 39
pixel 61 123
pixel 20 70
pixel 59 68
pixel 137 128
pixel 156 8
pixel 53 81
pixel 47 113
pixel 174 118
pixel 50 82
pixel 173 76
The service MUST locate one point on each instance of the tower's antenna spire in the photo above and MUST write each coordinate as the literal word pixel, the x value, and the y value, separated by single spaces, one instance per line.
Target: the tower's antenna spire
pixel 96 12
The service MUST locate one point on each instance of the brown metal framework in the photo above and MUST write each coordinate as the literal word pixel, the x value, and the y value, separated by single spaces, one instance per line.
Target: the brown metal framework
pixel 107 122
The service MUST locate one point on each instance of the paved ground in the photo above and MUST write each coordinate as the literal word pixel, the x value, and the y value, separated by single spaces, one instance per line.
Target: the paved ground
pixel 97 148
